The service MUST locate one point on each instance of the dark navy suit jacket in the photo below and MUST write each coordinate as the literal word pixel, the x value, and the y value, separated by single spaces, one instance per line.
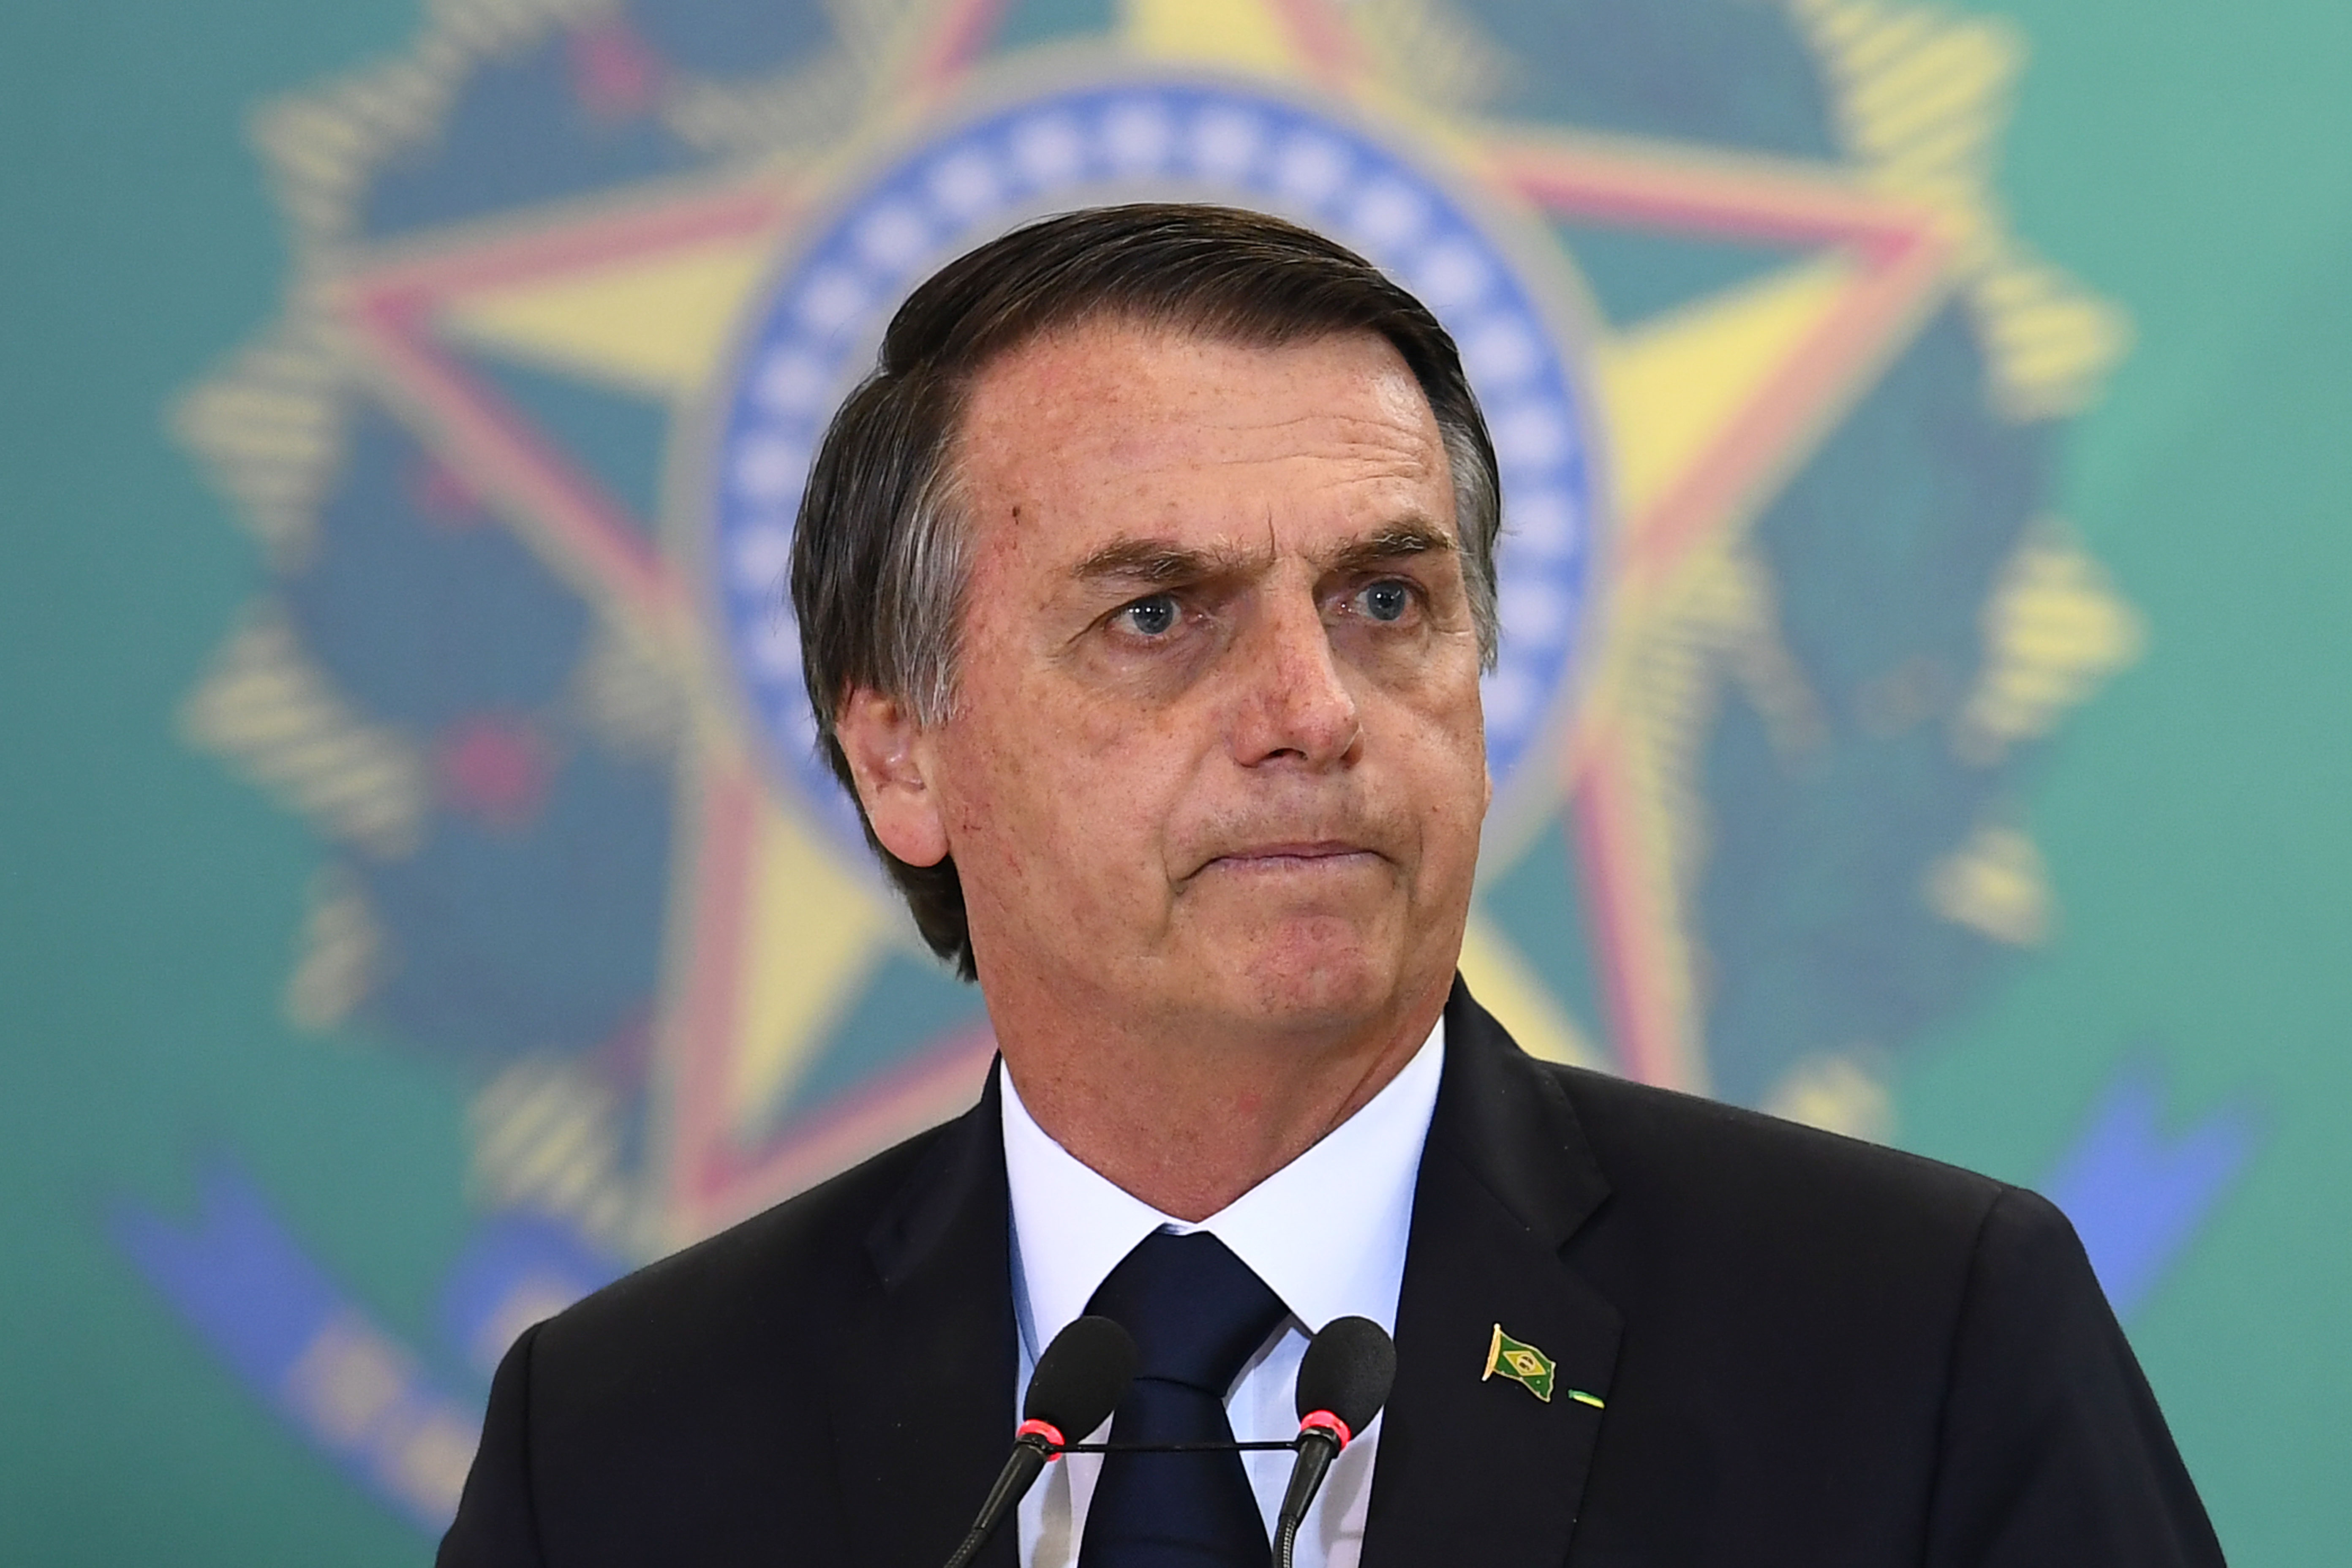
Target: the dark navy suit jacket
pixel 1807 1350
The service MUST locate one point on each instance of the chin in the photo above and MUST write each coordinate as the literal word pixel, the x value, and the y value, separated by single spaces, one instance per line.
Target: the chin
pixel 1316 979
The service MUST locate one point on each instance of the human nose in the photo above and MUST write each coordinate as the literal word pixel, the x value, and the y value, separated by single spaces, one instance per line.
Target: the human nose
pixel 1293 702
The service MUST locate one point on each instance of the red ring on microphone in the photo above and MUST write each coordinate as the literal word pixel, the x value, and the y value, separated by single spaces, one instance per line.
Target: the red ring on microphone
pixel 1045 1429
pixel 1324 1421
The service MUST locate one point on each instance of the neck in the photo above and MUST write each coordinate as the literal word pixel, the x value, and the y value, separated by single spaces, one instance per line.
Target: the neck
pixel 1188 1121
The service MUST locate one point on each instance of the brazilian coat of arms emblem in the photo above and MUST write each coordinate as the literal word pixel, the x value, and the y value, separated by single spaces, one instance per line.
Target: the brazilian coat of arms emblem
pixel 1785 609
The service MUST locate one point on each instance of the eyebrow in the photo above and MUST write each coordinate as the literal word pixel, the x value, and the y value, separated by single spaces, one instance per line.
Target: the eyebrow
pixel 1158 563
pixel 1396 541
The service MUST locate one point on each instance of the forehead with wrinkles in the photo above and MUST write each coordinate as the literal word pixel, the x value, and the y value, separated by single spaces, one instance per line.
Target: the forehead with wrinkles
pixel 1134 426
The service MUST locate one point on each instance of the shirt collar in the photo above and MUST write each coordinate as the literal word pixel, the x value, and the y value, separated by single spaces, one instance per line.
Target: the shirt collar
pixel 1327 1232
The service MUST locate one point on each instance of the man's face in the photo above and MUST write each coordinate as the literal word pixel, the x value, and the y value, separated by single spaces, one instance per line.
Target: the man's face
pixel 1217 752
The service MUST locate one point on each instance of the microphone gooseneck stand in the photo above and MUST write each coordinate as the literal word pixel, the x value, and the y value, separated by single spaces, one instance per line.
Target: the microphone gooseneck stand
pixel 1036 1446
pixel 1318 1445
pixel 1342 1383
pixel 1079 1381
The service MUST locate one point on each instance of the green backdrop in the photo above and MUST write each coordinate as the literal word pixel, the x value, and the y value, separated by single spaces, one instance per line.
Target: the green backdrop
pixel 2191 163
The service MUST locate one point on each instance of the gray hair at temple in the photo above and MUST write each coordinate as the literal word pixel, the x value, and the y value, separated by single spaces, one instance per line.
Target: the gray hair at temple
pixel 879 554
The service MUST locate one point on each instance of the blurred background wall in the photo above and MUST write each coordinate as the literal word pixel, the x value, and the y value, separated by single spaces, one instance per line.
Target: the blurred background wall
pixel 1924 708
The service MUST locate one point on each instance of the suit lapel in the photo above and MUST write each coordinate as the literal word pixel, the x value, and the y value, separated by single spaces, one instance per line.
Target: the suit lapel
pixel 1475 1468
pixel 923 1395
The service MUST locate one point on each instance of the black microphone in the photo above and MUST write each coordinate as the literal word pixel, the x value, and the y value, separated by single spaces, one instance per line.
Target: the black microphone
pixel 1079 1381
pixel 1344 1380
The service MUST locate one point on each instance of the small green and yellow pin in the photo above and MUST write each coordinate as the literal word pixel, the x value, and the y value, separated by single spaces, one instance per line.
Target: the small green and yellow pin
pixel 1528 1367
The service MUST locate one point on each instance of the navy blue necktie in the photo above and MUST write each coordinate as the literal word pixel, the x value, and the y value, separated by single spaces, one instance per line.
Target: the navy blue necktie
pixel 1198 1314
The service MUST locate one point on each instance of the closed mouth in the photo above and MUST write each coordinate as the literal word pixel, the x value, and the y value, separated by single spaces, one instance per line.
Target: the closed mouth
pixel 1320 855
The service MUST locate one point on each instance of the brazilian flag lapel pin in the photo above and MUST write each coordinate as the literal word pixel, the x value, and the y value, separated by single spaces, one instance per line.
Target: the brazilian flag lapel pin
pixel 1527 1366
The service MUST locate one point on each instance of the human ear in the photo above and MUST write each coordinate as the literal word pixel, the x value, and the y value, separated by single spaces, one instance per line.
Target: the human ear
pixel 891 762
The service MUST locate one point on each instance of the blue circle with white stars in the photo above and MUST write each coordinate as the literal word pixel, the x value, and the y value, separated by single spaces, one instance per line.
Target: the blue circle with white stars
pixel 822 321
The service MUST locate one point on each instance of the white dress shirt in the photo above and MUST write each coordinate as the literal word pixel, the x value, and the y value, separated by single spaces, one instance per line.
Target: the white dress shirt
pixel 1326 1233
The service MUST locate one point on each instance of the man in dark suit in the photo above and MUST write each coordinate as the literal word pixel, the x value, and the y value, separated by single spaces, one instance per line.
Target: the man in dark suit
pixel 1143 595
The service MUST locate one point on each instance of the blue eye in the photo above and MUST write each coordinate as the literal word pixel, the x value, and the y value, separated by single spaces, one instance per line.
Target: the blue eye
pixel 1151 617
pixel 1387 601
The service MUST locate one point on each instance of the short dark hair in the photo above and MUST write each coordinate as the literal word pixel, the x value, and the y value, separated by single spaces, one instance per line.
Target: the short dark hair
pixel 879 554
